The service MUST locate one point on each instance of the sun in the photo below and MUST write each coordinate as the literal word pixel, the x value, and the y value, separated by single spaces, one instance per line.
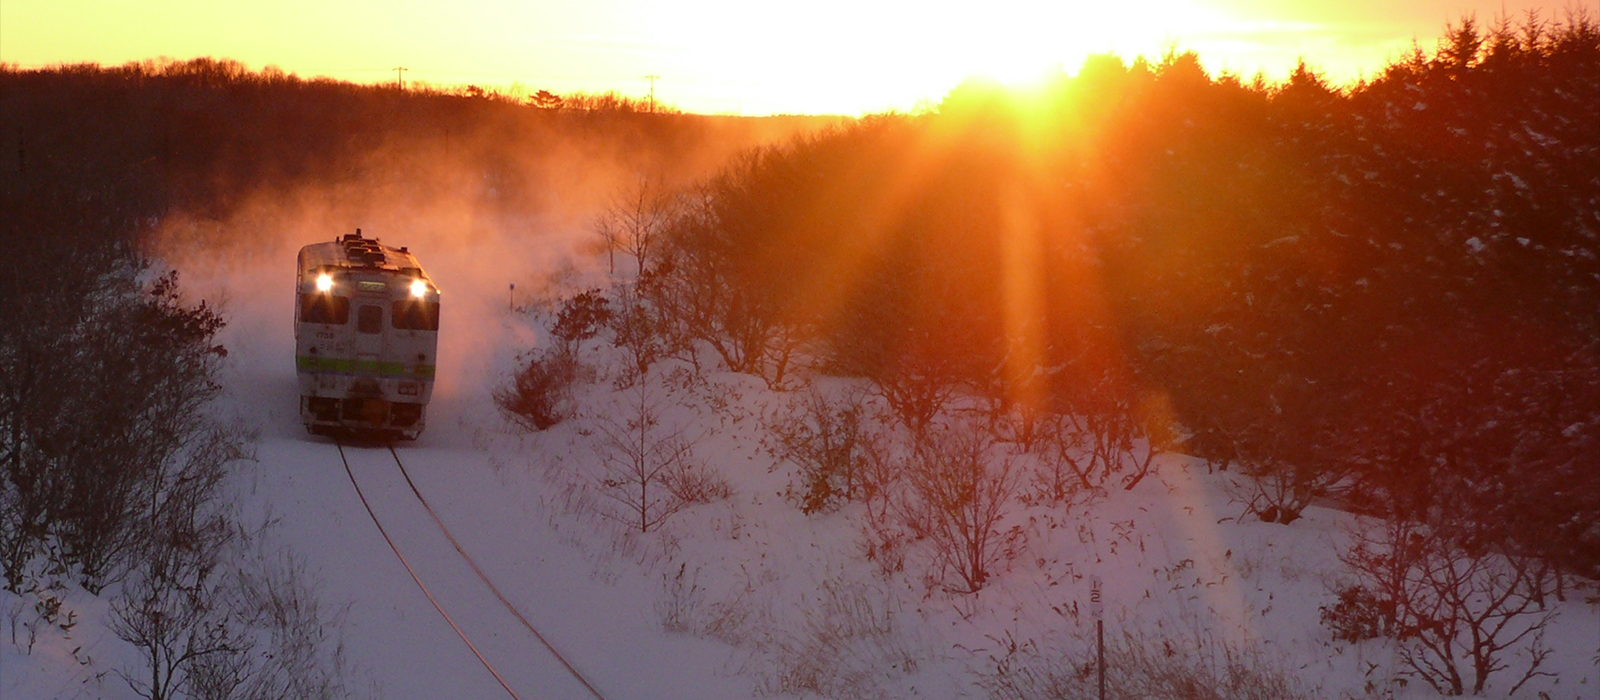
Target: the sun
pixel 1023 43
pixel 1019 67
pixel 877 53
pixel 1017 42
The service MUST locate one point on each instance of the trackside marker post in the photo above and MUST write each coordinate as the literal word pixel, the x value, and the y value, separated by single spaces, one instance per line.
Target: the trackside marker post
pixel 1097 608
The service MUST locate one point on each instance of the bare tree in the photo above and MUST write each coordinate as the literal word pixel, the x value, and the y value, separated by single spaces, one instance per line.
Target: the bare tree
pixel 706 288
pixel 641 332
pixel 1455 605
pixel 648 471
pixel 171 606
pixel 216 619
pixel 635 222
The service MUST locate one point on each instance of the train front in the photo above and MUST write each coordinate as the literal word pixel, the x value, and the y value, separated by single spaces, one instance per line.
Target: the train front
pixel 366 335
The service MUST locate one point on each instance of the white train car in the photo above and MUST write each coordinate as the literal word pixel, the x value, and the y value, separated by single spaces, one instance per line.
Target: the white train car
pixel 366 338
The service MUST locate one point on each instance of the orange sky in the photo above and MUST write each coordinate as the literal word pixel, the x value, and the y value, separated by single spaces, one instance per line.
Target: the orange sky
pixel 729 56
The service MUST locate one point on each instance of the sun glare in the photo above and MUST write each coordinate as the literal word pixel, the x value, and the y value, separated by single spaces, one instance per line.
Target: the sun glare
pixel 882 54
pixel 728 56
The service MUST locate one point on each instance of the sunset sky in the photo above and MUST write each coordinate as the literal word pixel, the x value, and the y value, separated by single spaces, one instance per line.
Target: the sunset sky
pixel 731 56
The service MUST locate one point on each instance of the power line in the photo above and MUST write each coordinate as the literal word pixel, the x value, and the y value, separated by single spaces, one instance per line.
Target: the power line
pixel 652 78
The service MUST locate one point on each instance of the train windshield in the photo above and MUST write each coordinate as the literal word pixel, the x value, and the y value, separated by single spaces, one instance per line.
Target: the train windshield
pixel 414 315
pixel 324 308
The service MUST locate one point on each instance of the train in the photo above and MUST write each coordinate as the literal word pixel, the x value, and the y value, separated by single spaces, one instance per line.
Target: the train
pixel 366 339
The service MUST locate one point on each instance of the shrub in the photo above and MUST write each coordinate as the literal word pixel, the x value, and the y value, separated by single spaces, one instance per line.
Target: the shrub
pixel 683 608
pixel 917 388
pixel 580 318
pixel 1358 615
pixel 828 440
pixel 93 456
pixel 217 619
pixel 845 644
pixel 540 394
pixel 641 333
pixel 958 500
pixel 702 287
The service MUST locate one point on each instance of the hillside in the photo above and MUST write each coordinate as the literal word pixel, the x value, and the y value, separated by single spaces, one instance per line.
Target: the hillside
pixel 1305 375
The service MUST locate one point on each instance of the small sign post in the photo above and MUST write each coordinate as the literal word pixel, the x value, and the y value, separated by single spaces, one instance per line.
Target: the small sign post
pixel 1097 608
pixel 512 305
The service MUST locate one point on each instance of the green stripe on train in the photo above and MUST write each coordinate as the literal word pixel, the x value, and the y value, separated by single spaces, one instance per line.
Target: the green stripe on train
pixel 306 363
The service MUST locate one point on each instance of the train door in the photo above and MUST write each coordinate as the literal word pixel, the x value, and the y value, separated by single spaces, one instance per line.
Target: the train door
pixel 369 347
pixel 369 335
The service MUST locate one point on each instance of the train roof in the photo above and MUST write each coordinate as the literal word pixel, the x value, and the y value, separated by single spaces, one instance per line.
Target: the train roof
pixel 352 251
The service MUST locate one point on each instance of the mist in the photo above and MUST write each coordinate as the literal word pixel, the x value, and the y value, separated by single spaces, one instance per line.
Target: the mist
pixel 501 216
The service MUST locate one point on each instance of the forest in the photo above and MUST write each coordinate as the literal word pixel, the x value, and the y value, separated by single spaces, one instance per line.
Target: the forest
pixel 1381 297
pixel 1385 294
pixel 118 471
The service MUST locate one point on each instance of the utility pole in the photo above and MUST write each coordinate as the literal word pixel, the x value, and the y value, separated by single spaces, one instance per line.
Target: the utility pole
pixel 652 78
pixel 399 77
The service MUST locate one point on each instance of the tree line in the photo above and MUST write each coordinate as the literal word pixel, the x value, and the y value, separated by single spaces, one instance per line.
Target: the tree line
pixel 1384 294
pixel 113 466
pixel 1383 297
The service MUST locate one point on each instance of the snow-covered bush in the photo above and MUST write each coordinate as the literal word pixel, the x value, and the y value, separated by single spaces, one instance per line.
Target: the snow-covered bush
pixel 831 441
pixel 648 471
pixel 540 393
pixel 220 620
pixel 580 318
pixel 959 493
pixel 847 644
pixel 1358 615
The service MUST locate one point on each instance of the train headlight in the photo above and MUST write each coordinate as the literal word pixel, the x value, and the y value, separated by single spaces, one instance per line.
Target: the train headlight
pixel 324 282
pixel 419 288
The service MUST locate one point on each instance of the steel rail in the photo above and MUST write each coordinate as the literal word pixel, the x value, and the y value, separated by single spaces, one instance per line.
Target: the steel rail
pixel 485 578
pixel 413 572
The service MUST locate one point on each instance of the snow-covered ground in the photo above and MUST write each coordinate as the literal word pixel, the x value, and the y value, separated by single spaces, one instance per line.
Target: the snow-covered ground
pixel 739 597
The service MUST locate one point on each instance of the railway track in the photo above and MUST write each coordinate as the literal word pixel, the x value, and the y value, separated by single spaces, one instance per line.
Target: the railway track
pixel 503 655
